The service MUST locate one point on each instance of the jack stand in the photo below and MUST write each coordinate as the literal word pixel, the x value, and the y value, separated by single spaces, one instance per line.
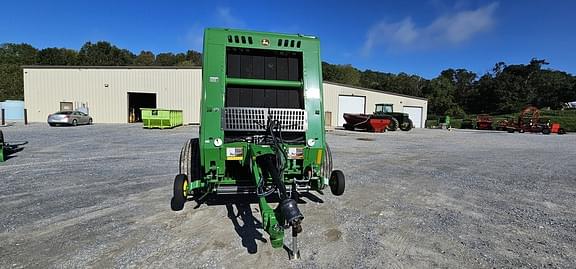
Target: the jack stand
pixel 295 253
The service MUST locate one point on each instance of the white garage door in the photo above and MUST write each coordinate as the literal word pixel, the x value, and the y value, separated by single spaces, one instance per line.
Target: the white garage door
pixel 349 104
pixel 415 114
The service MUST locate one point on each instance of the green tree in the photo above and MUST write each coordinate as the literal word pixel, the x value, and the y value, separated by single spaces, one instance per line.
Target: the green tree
pixel 345 74
pixel 166 59
pixel 464 82
pixel 11 82
pixel 19 54
pixel 104 53
pixel 57 56
pixel 12 56
pixel 440 93
pixel 194 57
pixel 145 58
pixel 552 89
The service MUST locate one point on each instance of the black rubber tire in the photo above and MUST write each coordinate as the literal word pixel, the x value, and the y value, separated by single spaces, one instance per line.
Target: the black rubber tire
pixel 546 131
pixel 74 123
pixel 393 126
pixel 327 165
pixel 1 138
pixel 406 126
pixel 90 121
pixel 178 198
pixel 337 182
pixel 521 131
pixel 510 130
pixel 561 131
pixel 348 127
pixel 190 160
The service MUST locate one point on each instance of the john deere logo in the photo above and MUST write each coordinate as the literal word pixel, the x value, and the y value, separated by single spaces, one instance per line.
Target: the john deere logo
pixel 265 42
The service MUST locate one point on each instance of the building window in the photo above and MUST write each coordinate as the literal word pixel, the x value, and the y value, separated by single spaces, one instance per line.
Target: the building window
pixel 66 106
pixel 386 108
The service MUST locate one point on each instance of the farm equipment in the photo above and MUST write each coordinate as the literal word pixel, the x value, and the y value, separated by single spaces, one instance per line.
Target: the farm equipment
pixel 484 122
pixel 262 127
pixel 382 119
pixel 529 120
pixel 368 122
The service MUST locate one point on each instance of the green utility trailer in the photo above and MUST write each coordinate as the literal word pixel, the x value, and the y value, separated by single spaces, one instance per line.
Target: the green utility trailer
pixel 161 118
pixel 262 127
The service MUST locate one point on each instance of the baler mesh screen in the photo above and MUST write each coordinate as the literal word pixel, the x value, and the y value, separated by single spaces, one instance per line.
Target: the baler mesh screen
pixel 254 119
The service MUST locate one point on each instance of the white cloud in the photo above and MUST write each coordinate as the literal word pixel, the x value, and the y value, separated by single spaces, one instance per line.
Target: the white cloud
pixel 226 19
pixel 451 29
pixel 195 37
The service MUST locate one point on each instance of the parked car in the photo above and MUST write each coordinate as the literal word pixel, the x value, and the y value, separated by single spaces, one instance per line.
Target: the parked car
pixel 69 118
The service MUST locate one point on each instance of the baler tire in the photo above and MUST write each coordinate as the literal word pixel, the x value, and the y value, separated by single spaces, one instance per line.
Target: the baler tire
pixel 190 162
pixel 327 165
pixel 180 196
pixel 393 126
pixel 184 158
pixel 337 182
pixel 195 166
pixel 405 127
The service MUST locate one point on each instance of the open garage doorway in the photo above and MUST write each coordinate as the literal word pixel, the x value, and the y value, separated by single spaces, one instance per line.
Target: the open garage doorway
pixel 138 100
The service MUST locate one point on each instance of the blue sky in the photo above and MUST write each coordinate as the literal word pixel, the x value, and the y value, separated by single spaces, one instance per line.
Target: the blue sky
pixel 415 37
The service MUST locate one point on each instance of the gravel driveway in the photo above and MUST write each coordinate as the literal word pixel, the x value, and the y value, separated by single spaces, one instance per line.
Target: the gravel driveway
pixel 99 196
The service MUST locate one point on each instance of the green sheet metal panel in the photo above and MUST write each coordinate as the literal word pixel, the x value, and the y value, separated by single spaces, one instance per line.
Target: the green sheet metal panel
pixel 214 81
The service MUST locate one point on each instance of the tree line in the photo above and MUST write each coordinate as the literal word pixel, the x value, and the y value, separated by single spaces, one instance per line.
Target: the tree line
pixel 456 92
pixel 102 53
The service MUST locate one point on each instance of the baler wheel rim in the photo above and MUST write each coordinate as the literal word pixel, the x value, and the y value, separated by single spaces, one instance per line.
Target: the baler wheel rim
pixel 185 188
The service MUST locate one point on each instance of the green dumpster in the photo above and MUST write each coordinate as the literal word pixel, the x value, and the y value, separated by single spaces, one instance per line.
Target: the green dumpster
pixel 161 118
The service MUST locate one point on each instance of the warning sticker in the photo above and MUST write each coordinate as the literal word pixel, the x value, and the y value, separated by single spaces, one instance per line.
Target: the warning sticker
pixel 234 154
pixel 295 153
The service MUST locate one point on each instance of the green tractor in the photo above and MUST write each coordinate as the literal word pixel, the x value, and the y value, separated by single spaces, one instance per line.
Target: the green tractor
pixel 262 127
pixel 397 119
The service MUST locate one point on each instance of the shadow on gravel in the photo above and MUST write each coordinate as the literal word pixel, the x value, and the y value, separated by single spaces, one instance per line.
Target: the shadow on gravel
pixel 248 231
pixel 11 149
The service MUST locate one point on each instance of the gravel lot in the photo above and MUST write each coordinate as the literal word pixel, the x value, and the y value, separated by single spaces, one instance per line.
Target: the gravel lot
pixel 99 196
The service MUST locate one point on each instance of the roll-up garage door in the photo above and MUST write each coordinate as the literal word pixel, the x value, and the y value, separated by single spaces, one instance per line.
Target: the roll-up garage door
pixel 350 104
pixel 415 114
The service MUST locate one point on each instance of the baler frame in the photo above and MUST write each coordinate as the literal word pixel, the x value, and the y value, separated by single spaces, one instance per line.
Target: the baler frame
pixel 262 127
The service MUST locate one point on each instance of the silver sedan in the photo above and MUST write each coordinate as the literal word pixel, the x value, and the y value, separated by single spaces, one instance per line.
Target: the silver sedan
pixel 69 118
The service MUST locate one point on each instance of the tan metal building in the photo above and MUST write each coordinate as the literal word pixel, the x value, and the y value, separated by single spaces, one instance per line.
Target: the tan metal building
pixel 340 99
pixel 111 94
